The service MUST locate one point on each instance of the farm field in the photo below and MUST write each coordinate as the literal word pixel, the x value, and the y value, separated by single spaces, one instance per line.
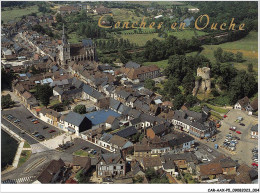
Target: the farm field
pixel 161 64
pixel 186 34
pixel 17 13
pixel 248 46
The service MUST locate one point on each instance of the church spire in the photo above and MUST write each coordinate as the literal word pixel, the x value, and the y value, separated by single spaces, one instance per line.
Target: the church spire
pixel 64 39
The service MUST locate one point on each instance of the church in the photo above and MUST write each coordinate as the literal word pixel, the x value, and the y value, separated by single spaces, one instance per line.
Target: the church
pixel 84 51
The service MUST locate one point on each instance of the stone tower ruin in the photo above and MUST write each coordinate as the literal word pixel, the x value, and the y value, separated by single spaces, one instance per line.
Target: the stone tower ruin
pixel 202 82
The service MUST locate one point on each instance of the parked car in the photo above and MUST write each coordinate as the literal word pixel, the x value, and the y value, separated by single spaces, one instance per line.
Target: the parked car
pixel 242 124
pixel 213 139
pixel 17 121
pixel 22 132
pixel 91 150
pixel 45 127
pixel 238 132
pixel 28 117
pixel 34 133
pixel 35 122
pixel 37 135
pixel 232 129
pixel 254 164
pixel 94 152
pixel 41 137
pixel 225 116
pixel 209 150
pixel 52 131
pixel 84 148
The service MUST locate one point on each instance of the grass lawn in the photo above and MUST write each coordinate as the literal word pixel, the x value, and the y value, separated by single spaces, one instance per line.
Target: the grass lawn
pixel 82 153
pixel 25 155
pixel 247 45
pixel 26 145
pixel 215 116
pixel 216 108
pixel 161 64
pixel 54 102
pixel 16 13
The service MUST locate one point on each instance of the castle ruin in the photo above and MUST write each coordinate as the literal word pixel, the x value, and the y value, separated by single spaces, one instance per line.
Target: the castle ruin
pixel 202 82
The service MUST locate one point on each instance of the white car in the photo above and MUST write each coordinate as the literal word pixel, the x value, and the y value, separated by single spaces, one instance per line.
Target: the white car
pixel 209 150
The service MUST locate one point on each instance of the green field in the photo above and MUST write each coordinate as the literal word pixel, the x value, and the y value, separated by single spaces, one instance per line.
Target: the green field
pixel 74 38
pixel 217 109
pixel 16 13
pixel 248 46
pixel 161 64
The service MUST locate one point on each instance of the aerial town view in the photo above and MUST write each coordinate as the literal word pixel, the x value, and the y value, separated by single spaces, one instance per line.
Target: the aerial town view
pixel 129 92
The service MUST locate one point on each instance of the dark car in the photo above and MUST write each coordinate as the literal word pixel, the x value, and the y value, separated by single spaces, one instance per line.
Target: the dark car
pixel 232 129
pixel 45 127
pixel 51 131
pixel 41 137
pixel 242 124
pixel 29 117
pixel 36 132
pixel 84 148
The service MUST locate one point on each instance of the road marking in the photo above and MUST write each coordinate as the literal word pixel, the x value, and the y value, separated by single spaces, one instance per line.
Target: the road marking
pixel 19 180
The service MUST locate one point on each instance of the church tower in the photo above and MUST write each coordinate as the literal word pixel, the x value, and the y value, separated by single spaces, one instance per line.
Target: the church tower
pixel 64 49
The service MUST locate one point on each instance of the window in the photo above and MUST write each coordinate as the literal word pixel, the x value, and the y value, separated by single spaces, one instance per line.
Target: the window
pixel 114 167
pixel 122 167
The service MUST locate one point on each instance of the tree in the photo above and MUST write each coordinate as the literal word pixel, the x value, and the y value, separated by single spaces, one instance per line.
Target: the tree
pixel 81 109
pixel 149 84
pixel 191 100
pixel 218 54
pixel 250 67
pixel 6 101
pixel 44 93
pixel 178 101
pixel 239 57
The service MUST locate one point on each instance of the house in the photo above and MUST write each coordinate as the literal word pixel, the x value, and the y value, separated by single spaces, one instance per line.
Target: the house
pixel 140 74
pixel 79 163
pixel 91 94
pixel 142 150
pixel 127 132
pixel 112 122
pixel 111 165
pixel 254 132
pixel 159 130
pixel 151 162
pixel 168 165
pixel 209 171
pixel 50 116
pixel 53 173
pixel 137 169
pixel 242 104
pixel 29 100
pixel 228 165
pixel 243 175
pixel 77 123
pixel 101 10
pixel 180 142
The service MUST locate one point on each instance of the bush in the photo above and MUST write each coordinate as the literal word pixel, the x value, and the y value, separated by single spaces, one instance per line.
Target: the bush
pixel 81 109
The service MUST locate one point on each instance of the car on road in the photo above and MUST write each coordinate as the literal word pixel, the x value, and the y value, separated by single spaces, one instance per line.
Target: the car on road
pixel 35 122
pixel 238 132
pixel 28 117
pixel 225 116
pixel 45 127
pixel 84 148
pixel 242 124
pixel 52 131
pixel 94 152
pixel 34 133
pixel 209 150
pixel 254 164
pixel 213 139
pixel 91 150
pixel 22 132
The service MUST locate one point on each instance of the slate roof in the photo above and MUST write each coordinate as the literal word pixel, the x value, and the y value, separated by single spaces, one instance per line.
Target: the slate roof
pixel 114 104
pixel 244 101
pixel 111 158
pixel 135 121
pixel 131 64
pixel 123 94
pixel 123 108
pixel 134 113
pixel 87 42
pixel 92 92
pixel 74 118
pixel 106 137
pixel 180 139
pixel 48 173
pixel 129 131
pixel 159 128
pixel 119 141
pixel 199 125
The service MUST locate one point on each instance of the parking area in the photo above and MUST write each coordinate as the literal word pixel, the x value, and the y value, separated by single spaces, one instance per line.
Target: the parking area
pixel 85 145
pixel 236 142
pixel 23 119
